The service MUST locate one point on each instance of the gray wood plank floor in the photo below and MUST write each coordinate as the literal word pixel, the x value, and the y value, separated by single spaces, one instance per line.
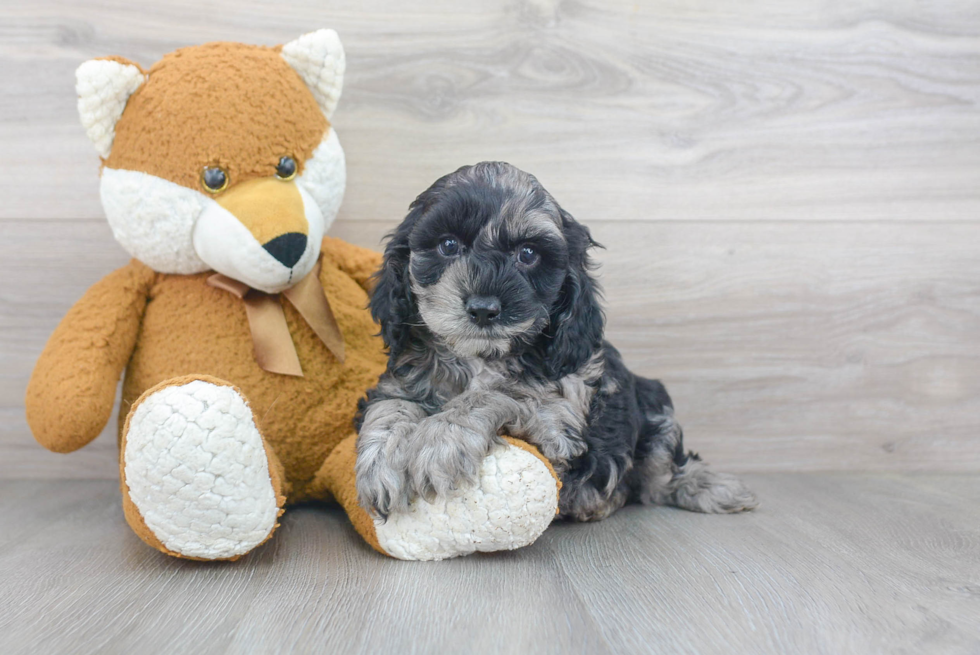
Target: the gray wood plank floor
pixel 830 563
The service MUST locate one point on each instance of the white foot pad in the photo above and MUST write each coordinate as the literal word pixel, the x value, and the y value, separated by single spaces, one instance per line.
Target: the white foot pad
pixel 513 502
pixel 198 473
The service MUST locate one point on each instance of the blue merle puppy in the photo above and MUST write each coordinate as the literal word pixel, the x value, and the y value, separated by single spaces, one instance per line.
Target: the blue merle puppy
pixel 494 325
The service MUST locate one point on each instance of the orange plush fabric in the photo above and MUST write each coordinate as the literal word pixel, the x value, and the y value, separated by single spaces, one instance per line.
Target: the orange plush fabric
pixel 173 129
pixel 337 477
pixel 73 387
pixel 186 325
pixel 183 324
pixel 302 418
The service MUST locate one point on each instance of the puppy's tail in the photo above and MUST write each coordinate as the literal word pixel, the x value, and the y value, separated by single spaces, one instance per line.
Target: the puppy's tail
pixel 696 487
pixel 667 475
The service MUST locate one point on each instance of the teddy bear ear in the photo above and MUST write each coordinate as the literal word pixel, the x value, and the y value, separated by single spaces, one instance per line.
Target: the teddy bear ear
pixel 319 59
pixel 104 86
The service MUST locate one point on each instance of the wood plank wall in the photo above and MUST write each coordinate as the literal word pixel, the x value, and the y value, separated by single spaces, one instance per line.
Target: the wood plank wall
pixel 788 190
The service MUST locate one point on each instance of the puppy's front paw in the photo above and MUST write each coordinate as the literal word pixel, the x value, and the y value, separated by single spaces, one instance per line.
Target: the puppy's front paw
pixel 381 486
pixel 382 491
pixel 444 455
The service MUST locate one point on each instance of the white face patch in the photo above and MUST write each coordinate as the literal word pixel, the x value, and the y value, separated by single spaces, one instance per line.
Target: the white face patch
pixel 153 219
pixel 325 177
pixel 176 230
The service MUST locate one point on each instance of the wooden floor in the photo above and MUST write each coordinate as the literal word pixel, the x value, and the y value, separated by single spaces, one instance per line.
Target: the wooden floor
pixel 830 563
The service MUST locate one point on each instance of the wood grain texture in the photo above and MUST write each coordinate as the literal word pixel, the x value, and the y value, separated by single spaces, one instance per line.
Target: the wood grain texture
pixel 788 193
pixel 668 110
pixel 830 563
pixel 786 346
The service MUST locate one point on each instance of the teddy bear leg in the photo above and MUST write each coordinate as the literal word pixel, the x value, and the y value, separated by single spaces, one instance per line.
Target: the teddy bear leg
pixel 198 480
pixel 513 502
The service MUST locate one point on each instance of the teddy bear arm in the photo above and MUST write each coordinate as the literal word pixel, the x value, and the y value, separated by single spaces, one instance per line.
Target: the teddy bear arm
pixel 72 389
pixel 360 263
pixel 514 500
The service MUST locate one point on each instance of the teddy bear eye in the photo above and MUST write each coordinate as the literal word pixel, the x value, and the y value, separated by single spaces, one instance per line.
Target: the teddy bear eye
pixel 286 168
pixel 214 179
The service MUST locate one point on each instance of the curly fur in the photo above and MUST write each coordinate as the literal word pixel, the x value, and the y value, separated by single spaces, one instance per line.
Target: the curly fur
pixel 540 371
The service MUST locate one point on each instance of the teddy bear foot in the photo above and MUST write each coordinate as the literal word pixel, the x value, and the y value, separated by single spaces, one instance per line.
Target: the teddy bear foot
pixel 513 502
pixel 197 479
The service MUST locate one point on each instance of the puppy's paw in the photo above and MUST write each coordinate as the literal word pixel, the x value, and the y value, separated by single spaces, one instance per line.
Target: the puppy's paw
pixel 444 455
pixel 380 468
pixel 382 490
pixel 381 485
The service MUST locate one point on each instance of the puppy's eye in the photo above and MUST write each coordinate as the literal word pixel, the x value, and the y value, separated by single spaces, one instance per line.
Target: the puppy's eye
pixel 286 168
pixel 449 247
pixel 214 179
pixel 528 256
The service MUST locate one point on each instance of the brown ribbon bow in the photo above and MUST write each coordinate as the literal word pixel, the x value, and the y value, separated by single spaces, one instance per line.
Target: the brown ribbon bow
pixel 271 341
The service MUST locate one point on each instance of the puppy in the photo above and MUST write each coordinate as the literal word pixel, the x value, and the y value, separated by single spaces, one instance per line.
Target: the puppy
pixel 493 324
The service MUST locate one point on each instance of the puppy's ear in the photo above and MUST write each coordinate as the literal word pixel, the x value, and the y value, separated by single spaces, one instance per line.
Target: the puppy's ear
pixel 392 303
pixel 577 320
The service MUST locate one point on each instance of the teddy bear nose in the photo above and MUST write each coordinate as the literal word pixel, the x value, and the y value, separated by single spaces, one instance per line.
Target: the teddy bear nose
pixel 287 248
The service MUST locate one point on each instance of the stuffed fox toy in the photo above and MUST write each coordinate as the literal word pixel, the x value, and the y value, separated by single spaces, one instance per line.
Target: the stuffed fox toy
pixel 242 330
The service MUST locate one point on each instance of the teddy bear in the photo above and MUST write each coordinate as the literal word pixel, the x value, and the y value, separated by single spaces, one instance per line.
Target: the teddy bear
pixel 242 330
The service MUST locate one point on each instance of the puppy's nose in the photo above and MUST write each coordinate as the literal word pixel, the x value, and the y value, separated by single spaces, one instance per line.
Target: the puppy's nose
pixel 287 248
pixel 483 310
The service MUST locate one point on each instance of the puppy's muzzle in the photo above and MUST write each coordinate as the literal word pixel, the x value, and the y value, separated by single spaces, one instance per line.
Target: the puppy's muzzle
pixel 483 310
